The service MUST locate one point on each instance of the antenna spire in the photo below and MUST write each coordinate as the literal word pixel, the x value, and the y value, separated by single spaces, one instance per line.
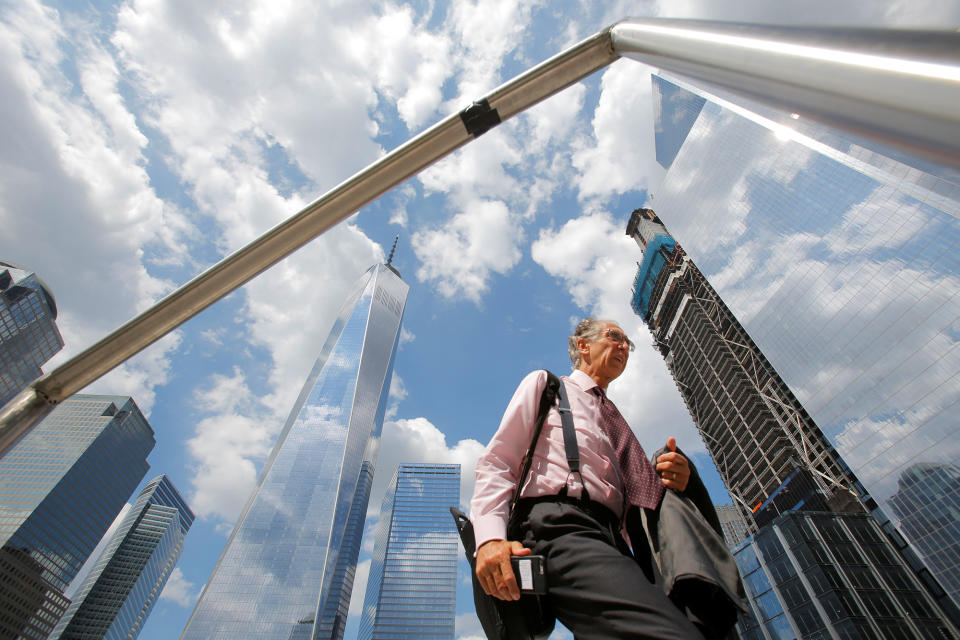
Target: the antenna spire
pixel 392 249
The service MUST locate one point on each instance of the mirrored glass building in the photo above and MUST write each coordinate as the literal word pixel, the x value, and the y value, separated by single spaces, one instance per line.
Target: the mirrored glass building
pixel 830 575
pixel 61 487
pixel 337 603
pixel 118 595
pixel 840 259
pixel 28 329
pixel 411 589
pixel 277 569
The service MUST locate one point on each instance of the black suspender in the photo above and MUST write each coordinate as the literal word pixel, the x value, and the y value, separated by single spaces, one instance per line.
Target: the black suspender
pixel 569 433
pixel 554 391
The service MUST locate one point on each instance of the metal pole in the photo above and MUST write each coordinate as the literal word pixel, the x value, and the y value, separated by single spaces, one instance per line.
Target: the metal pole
pixel 30 406
pixel 898 87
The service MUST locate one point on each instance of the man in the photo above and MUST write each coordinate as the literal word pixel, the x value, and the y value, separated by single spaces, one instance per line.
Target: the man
pixel 596 588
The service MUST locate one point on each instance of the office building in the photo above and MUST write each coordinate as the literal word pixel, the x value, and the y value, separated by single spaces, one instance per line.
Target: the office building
pixel 840 260
pixel 276 572
pixel 337 603
pixel 831 575
pixel 28 329
pixel 117 596
pixel 411 589
pixel 732 523
pixel 61 487
pixel 927 503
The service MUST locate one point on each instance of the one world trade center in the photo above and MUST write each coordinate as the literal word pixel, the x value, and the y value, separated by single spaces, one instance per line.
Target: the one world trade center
pixel 278 567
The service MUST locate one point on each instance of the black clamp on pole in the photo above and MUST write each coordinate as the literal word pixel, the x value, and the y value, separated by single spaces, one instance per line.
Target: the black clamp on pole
pixel 479 118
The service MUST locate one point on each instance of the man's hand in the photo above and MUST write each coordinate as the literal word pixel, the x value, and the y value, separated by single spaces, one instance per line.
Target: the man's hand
pixel 673 468
pixel 494 569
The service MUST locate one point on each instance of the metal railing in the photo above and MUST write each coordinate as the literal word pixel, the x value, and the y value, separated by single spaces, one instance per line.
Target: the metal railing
pixel 899 87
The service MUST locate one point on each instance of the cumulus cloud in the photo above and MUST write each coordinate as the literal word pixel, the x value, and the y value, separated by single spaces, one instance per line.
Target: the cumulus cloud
pixel 418 440
pixel 410 62
pixel 227 447
pixel 85 159
pixel 179 590
pixel 358 595
pixel 619 156
pixel 460 257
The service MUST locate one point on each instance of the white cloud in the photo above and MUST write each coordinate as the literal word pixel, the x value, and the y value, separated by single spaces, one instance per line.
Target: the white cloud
pixel 459 257
pixel 556 117
pixel 620 155
pixel 84 158
pixel 418 440
pixel 481 169
pixel 179 590
pixel 409 62
pixel 227 447
pixel 398 391
pixel 486 31
pixel 358 595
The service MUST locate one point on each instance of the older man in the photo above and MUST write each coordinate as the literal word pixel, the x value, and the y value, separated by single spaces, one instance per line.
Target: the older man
pixel 596 587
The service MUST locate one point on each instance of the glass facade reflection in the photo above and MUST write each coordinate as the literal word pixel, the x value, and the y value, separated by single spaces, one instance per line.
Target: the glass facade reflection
pixel 411 589
pixel 337 603
pixel 61 487
pixel 830 575
pixel 842 263
pixel 278 566
pixel 28 331
pixel 117 596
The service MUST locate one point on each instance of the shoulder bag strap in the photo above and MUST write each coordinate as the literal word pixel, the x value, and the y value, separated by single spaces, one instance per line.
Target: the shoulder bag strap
pixel 547 399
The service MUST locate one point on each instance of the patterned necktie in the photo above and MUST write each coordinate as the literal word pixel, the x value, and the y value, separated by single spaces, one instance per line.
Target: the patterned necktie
pixel 641 484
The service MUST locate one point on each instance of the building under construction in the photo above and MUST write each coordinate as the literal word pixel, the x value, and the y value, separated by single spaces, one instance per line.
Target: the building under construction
pixel 755 429
pixel 780 470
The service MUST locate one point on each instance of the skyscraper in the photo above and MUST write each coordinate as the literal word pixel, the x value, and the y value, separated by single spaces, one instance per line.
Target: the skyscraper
pixel 337 603
pixel 831 575
pixel 411 589
pixel 927 503
pixel 276 572
pixel 756 431
pixel 28 331
pixel 733 524
pixel 775 462
pixel 61 487
pixel 840 260
pixel 117 596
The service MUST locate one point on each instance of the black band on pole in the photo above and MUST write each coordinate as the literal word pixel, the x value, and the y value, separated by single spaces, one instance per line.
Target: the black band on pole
pixel 479 118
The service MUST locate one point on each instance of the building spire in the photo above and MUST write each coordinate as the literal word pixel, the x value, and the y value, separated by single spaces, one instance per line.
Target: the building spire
pixel 390 257
pixel 392 249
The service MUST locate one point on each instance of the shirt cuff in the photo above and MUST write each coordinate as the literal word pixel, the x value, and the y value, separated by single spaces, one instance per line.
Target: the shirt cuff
pixel 489 528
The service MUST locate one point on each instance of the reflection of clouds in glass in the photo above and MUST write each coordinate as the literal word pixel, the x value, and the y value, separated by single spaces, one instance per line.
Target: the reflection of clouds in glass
pixel 863 338
pixel 843 266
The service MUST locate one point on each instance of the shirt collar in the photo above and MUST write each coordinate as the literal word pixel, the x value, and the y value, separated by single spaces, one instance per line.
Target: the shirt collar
pixel 582 380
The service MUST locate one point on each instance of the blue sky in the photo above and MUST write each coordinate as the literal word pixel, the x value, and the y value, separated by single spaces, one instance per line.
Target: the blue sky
pixel 142 141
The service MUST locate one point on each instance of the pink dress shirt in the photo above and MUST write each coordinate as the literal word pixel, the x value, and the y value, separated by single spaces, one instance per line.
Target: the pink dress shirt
pixel 498 469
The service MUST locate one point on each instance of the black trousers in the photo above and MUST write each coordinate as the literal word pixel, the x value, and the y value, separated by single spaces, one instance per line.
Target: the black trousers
pixel 596 588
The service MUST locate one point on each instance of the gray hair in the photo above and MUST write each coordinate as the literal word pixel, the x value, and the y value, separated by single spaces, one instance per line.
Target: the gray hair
pixel 588 329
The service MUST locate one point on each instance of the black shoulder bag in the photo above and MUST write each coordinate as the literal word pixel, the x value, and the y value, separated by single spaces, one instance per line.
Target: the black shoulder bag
pixel 529 618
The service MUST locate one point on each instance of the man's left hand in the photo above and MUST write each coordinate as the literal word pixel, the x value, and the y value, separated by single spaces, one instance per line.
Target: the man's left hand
pixel 673 468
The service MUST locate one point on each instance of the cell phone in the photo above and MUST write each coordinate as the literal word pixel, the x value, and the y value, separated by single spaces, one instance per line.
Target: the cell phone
pixel 531 573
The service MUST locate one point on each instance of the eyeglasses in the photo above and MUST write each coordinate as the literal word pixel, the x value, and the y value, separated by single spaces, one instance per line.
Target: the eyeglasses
pixel 619 338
